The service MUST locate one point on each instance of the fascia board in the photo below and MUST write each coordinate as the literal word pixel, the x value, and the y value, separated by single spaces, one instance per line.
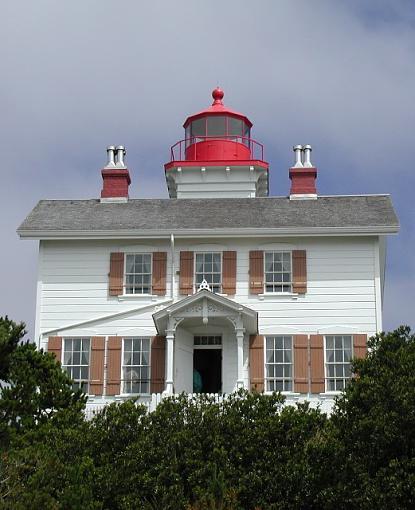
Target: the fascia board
pixel 194 233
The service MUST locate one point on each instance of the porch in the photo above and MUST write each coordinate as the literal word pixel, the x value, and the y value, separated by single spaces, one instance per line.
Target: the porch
pixel 207 344
pixel 150 402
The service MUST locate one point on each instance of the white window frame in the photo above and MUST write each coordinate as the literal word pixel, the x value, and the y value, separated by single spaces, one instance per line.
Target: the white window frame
pixel 336 363
pixel 208 345
pixel 290 283
pixel 77 383
pixel 125 274
pixel 124 381
pixel 196 285
pixel 282 379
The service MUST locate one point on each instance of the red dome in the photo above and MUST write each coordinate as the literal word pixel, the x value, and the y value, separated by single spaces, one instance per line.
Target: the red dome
pixel 218 108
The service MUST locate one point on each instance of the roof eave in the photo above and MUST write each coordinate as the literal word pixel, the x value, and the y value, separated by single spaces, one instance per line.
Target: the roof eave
pixel 214 232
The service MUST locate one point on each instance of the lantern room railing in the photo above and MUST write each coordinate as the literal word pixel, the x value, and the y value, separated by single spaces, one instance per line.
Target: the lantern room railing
pixel 179 151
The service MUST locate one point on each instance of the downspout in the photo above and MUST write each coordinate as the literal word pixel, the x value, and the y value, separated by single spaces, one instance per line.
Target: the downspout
pixel 173 280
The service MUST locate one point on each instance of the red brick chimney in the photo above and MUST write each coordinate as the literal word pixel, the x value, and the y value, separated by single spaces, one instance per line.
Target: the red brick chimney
pixel 115 175
pixel 303 174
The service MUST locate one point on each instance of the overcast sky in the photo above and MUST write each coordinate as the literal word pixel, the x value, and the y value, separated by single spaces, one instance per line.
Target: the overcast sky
pixel 82 74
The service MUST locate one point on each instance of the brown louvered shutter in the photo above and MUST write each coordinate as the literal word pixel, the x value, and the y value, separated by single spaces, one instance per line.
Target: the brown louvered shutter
pixel 96 374
pixel 317 363
pixel 256 272
pixel 116 275
pixel 299 271
pixel 114 365
pixel 186 272
pixel 301 363
pixel 55 346
pixel 229 272
pixel 359 346
pixel 158 363
pixel 159 273
pixel 256 362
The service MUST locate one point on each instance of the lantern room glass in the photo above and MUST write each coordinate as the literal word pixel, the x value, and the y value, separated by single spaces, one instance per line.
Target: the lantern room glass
pixel 220 126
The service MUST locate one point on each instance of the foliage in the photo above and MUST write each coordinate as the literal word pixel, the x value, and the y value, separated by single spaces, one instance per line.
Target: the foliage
pixel 248 452
pixel 34 388
pixel 10 336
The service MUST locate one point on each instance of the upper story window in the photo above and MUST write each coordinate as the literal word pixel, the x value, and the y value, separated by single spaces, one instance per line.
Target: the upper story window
pixel 76 355
pixel 138 273
pixel 136 365
pixel 278 271
pixel 279 363
pixel 208 266
pixel 338 357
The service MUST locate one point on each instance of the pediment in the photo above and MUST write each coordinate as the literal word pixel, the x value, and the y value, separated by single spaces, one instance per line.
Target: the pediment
pixel 205 305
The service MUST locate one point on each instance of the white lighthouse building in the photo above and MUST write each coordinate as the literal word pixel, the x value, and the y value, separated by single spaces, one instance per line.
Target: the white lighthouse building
pixel 216 288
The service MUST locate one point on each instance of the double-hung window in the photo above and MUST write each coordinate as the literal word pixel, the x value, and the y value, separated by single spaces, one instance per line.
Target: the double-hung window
pixel 76 355
pixel 279 363
pixel 208 267
pixel 278 271
pixel 136 365
pixel 338 356
pixel 138 273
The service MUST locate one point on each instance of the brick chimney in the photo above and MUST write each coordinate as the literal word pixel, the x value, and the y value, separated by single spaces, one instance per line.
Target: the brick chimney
pixel 303 174
pixel 115 176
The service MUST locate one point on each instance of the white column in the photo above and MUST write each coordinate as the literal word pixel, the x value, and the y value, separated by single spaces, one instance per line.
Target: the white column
pixel 169 361
pixel 240 346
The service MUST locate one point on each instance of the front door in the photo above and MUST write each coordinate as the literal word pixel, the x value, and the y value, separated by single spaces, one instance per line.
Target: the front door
pixel 207 370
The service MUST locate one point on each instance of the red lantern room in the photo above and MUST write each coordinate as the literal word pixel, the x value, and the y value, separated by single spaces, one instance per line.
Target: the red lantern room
pixel 217 143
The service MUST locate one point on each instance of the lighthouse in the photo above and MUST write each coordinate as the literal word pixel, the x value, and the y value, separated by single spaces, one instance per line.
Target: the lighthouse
pixel 217 157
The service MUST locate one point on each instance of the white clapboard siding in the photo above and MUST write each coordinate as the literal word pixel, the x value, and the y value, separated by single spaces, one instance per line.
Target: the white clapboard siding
pixel 340 285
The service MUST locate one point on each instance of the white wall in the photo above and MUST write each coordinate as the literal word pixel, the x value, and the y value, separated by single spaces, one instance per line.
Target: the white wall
pixel 183 361
pixel 340 296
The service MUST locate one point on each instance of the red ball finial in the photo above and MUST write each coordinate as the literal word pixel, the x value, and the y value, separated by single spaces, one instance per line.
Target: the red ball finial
pixel 217 95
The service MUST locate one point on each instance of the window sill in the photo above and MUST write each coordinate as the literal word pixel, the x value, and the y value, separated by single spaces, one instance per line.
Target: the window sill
pixel 141 297
pixel 329 394
pixel 279 295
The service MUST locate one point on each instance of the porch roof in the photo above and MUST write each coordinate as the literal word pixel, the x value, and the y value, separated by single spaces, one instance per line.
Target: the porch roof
pixel 206 305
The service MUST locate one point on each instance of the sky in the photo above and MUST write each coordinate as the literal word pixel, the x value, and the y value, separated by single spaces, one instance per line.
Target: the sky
pixel 80 75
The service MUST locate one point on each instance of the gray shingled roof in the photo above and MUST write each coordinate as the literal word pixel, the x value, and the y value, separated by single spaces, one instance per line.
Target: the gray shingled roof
pixel 144 215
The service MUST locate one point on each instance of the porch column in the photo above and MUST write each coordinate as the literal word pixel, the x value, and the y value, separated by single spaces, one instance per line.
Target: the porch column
pixel 240 345
pixel 169 360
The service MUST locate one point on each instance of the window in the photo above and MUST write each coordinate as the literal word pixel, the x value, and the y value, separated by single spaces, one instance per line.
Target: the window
pixel 338 356
pixel 209 267
pixel 76 361
pixel 207 340
pixel 136 365
pixel 278 271
pixel 278 363
pixel 138 273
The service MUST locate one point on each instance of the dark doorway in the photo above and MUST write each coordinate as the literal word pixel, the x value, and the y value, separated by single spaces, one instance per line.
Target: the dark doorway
pixel 208 364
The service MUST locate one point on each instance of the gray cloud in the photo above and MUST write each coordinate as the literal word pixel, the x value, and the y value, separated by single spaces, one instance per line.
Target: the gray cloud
pixel 80 75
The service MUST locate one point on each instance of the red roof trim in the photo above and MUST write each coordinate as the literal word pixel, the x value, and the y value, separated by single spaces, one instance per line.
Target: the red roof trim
pixel 232 163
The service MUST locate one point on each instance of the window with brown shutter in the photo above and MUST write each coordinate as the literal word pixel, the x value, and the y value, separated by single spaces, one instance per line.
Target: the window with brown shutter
pixel 186 273
pixel 229 272
pixel 256 272
pixel 299 271
pixel 317 363
pixel 359 346
pixel 116 274
pixel 114 365
pixel 55 346
pixel 96 383
pixel 159 273
pixel 256 362
pixel 301 363
pixel 158 363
